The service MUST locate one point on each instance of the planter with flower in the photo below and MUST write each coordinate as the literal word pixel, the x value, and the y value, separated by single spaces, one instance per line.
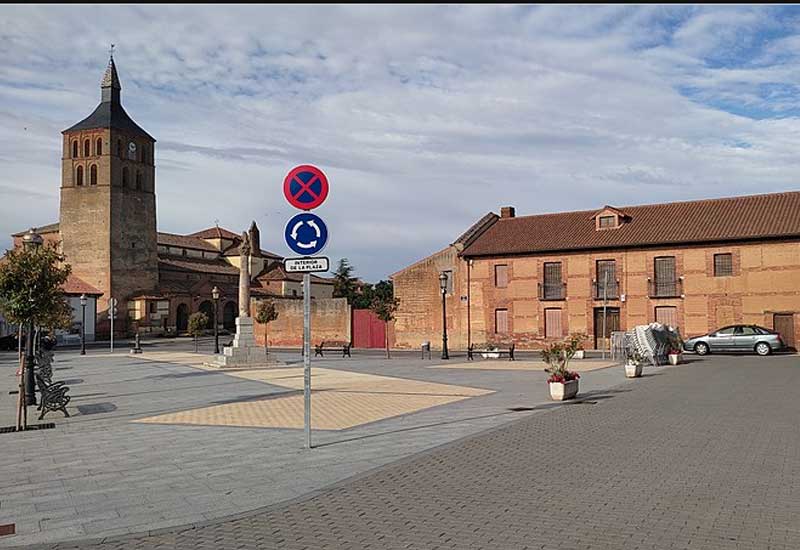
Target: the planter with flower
pixel 633 364
pixel 580 338
pixel 675 346
pixel 563 382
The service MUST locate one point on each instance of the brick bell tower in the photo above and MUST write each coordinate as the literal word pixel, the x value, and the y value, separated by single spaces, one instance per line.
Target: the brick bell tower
pixel 108 203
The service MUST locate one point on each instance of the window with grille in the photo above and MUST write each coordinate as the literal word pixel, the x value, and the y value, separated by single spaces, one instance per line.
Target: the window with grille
pixel 723 265
pixel 606 279
pixel 552 323
pixel 501 321
pixel 553 286
pixel 665 279
pixel 667 315
pixel 501 276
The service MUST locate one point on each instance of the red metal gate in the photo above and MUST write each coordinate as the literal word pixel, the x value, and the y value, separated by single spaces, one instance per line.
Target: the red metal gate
pixel 368 330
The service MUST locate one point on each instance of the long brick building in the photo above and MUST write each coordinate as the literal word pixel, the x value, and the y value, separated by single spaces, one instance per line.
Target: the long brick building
pixel 696 265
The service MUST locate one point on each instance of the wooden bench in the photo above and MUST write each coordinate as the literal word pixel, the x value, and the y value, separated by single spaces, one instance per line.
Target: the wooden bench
pixel 332 347
pixel 53 396
pixel 471 351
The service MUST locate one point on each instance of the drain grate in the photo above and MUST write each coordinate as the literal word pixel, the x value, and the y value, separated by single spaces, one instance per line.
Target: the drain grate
pixel 12 429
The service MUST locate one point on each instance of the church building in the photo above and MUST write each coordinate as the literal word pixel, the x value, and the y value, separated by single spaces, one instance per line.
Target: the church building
pixel 107 231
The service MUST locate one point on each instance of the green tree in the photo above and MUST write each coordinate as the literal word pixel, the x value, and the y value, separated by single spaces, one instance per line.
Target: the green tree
pixel 344 284
pixel 31 282
pixel 265 314
pixel 197 324
pixel 385 308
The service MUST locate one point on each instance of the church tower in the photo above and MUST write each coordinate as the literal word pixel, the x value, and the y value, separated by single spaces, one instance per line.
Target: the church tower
pixel 108 203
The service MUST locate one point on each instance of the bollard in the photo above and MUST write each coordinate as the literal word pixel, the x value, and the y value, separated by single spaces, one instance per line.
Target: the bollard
pixel 426 346
pixel 136 347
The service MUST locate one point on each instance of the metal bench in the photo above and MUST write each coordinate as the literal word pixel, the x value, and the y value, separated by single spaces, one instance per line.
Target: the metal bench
pixel 471 351
pixel 53 396
pixel 332 347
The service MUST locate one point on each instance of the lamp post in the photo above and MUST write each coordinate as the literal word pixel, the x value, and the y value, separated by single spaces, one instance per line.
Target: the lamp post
pixel 83 323
pixel 443 286
pixel 215 295
pixel 31 240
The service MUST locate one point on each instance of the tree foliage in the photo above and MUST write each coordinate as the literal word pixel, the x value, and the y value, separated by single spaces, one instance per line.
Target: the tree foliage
pixel 344 284
pixel 197 323
pixel 31 287
pixel 385 306
pixel 266 312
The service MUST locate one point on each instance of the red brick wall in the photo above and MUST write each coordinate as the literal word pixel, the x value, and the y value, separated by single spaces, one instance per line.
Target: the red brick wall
pixel 330 321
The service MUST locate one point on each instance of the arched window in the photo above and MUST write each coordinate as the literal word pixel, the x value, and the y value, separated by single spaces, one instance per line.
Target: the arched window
pixel 125 176
pixel 75 149
pixel 93 174
pixel 139 181
pixel 86 148
pixel 79 176
pixel 98 150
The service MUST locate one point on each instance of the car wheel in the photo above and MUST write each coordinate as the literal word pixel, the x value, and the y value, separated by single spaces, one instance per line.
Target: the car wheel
pixel 701 348
pixel 762 348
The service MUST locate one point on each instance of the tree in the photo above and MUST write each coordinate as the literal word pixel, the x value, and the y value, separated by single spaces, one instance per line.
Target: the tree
pixel 197 324
pixel 31 282
pixel 344 284
pixel 265 314
pixel 385 308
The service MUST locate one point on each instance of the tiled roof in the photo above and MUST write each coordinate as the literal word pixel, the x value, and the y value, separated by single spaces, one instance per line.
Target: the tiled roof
pixel 233 250
pixel 215 233
pixel 51 228
pixel 477 228
pixel 773 215
pixel 198 266
pixel 185 241
pixel 76 285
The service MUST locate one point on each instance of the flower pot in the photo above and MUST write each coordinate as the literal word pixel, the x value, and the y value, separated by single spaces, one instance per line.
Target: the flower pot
pixel 632 370
pixel 559 391
pixel 578 354
pixel 674 358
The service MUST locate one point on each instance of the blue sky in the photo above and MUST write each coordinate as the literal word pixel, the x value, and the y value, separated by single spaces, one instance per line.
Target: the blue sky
pixel 423 117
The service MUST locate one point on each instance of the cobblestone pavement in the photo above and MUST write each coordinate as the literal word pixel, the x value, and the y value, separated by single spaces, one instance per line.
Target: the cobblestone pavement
pixel 701 456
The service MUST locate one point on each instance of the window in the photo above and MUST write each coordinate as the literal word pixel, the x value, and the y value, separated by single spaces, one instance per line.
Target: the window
pixel 667 315
pixel 87 148
pixel 665 283
pixel 125 176
pixel 448 289
pixel 501 276
pixel 727 331
pixel 552 323
pixel 501 321
pixel 74 149
pixel 723 265
pixel 606 285
pixel 138 181
pixel 553 288
pixel 153 307
pixel 93 174
pixel 607 221
pixel 79 176
pixel 746 331
pixel 98 150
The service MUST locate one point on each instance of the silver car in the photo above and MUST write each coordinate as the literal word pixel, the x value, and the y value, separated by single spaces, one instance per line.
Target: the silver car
pixel 746 338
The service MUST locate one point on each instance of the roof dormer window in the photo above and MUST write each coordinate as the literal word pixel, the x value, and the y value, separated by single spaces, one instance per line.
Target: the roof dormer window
pixel 607 222
pixel 609 218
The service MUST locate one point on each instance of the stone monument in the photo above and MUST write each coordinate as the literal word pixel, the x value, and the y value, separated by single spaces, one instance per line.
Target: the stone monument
pixel 243 352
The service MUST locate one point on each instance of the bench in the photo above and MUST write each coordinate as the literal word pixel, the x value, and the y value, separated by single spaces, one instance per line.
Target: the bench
pixel 332 347
pixel 471 351
pixel 53 396
pixel 44 364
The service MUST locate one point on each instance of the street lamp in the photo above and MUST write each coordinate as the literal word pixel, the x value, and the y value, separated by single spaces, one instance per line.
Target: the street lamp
pixel 30 240
pixel 215 295
pixel 443 286
pixel 83 323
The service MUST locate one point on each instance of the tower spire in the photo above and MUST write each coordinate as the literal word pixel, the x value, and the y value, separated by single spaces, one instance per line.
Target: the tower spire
pixel 110 86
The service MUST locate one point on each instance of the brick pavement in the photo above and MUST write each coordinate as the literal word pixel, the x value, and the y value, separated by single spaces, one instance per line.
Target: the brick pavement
pixel 701 456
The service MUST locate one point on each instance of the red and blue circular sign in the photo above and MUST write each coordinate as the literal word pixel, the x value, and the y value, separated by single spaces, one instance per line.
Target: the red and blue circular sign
pixel 305 187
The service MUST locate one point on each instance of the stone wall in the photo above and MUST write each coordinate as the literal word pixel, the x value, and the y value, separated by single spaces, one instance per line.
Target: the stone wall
pixel 330 321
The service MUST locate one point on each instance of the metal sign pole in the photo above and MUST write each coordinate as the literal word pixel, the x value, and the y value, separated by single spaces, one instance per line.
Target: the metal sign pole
pixel 307 356
pixel 605 303
pixel 113 305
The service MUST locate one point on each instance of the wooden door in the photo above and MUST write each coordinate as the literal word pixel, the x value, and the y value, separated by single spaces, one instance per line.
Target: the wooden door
pixel 603 340
pixel 784 325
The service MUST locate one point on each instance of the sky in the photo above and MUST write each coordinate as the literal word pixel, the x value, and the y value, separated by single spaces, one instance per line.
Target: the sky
pixel 423 117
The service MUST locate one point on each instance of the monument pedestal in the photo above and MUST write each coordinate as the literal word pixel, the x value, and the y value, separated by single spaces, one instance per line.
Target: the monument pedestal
pixel 243 352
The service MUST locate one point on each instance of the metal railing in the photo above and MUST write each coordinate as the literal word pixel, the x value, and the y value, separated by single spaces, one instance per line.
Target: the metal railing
pixel 608 290
pixel 552 291
pixel 665 289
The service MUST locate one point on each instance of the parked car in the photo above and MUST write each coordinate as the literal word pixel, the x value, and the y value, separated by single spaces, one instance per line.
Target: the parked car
pixel 745 338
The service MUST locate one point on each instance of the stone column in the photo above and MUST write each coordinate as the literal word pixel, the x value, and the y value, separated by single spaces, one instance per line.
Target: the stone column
pixel 244 276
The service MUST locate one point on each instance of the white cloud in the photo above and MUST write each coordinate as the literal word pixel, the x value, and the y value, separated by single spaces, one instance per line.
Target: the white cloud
pixel 424 117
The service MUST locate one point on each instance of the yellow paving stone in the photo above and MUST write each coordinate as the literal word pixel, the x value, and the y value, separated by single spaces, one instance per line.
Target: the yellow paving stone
pixel 340 399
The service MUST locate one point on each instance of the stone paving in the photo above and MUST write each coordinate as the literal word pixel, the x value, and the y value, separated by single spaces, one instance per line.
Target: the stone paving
pixel 705 455
pixel 101 473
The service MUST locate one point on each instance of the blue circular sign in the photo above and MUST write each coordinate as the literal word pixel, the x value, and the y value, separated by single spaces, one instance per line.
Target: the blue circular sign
pixel 306 234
